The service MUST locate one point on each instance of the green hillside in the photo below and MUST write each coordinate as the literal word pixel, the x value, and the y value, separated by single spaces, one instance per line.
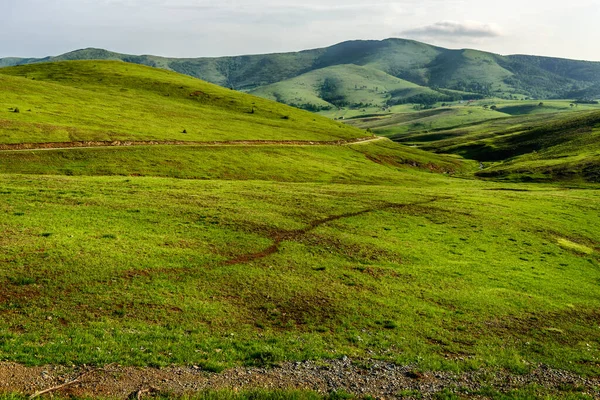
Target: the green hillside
pixel 546 146
pixel 403 122
pixel 112 104
pixel 341 86
pixel 267 237
pixel 105 101
pixel 469 71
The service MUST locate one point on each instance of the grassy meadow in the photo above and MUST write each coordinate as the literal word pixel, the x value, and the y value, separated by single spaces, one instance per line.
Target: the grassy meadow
pixel 221 256
pixel 400 122
pixel 555 141
pixel 154 271
pixel 115 101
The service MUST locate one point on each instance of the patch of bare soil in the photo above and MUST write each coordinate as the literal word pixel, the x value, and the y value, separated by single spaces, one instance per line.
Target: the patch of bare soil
pixel 367 377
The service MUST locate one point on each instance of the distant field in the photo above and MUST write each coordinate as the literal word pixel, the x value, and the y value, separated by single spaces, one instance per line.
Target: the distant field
pixel 403 120
pixel 395 124
pixel 547 141
pixel 539 147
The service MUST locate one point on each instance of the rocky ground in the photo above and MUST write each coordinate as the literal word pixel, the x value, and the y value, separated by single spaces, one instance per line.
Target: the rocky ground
pixel 375 378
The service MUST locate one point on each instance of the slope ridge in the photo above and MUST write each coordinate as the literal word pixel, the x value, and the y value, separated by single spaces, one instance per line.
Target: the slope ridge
pixel 108 100
pixel 541 147
pixel 342 85
pixel 115 118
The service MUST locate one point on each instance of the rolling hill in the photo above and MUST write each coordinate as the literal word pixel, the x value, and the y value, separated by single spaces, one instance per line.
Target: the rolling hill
pixel 343 85
pixel 117 101
pixel 549 146
pixel 109 104
pixel 453 74
pixel 156 221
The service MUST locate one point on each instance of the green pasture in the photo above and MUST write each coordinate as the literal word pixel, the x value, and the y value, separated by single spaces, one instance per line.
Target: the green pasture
pixel 227 255
pixel 446 274
pixel 115 101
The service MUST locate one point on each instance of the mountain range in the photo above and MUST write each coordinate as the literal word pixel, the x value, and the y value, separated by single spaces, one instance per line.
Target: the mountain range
pixel 375 73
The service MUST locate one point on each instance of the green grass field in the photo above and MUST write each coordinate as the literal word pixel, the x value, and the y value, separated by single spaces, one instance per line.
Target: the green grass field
pixel 396 125
pixel 105 101
pixel 151 271
pixel 365 163
pixel 221 256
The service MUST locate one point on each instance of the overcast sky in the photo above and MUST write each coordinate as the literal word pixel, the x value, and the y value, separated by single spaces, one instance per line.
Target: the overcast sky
pixel 196 28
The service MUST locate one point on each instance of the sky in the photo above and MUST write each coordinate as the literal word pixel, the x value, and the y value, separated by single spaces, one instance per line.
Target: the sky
pixel 201 28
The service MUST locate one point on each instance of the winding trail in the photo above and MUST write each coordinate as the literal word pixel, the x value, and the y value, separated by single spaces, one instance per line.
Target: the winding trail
pixel 282 235
pixel 132 143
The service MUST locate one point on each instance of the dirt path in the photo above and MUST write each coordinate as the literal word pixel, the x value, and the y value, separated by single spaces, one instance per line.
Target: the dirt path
pixel 281 236
pixel 129 143
pixel 380 379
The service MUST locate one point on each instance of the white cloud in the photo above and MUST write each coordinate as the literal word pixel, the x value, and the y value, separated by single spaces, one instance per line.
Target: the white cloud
pixel 194 28
pixel 454 31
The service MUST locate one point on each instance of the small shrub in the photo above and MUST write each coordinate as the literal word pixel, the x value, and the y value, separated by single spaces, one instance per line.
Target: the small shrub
pixel 120 313
pixel 211 367
pixel 390 325
pixel 446 394
pixel 22 281
pixel 339 395
pixel 263 359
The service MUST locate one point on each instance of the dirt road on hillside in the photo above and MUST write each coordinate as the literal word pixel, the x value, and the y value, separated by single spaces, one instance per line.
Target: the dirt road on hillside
pixel 129 143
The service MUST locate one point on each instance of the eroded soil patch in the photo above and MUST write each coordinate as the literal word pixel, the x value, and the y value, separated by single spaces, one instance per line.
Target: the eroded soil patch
pixel 359 377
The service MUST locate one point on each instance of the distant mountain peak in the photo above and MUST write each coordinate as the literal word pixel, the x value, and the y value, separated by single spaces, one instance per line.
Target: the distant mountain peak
pixel 463 70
